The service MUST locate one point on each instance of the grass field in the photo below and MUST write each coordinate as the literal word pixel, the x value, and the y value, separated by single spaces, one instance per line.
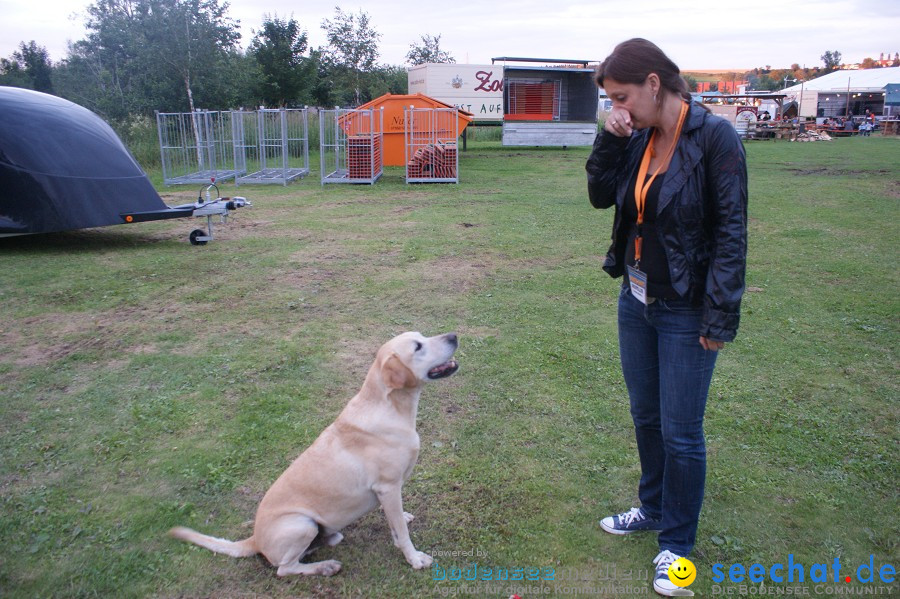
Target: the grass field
pixel 147 383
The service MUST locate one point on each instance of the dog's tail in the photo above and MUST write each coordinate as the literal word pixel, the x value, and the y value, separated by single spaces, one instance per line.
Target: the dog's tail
pixel 244 548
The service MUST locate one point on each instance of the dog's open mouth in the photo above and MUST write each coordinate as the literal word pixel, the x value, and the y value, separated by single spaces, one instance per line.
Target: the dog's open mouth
pixel 445 369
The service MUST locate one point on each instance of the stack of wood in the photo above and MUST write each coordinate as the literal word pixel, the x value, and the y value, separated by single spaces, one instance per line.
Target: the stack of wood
pixel 433 161
pixel 813 136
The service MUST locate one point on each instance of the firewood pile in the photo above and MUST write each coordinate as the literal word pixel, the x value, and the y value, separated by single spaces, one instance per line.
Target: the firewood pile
pixel 434 161
pixel 813 136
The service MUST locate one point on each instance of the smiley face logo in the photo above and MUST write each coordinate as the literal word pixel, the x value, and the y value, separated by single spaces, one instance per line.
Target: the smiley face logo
pixel 682 572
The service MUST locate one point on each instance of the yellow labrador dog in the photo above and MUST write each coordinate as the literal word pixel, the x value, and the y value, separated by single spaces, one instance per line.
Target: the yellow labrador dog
pixel 360 461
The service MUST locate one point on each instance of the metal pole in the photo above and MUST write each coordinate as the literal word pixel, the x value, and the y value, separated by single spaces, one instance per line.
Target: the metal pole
pixel 847 110
pixel 162 147
pixel 407 118
pixel 306 138
pixel 284 145
pixel 322 150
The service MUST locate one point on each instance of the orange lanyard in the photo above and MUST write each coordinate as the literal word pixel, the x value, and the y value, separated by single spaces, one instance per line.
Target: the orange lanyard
pixel 642 187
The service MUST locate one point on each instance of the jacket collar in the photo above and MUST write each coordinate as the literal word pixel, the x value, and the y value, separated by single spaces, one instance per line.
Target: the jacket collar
pixel 687 155
pixel 695 117
pixel 685 159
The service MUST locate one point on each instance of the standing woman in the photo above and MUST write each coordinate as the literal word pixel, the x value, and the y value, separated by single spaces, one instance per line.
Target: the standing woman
pixel 677 177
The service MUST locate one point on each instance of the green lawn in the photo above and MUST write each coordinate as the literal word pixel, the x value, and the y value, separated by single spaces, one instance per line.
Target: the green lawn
pixel 145 382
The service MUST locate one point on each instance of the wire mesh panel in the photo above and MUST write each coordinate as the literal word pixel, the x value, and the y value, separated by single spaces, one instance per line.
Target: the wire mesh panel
pixel 351 144
pixel 273 143
pixel 243 135
pixel 196 147
pixel 431 136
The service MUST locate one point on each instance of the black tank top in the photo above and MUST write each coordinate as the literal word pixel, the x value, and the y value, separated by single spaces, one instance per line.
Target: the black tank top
pixel 653 255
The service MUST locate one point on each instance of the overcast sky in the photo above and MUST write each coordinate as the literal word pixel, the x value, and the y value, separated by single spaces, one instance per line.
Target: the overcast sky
pixel 697 35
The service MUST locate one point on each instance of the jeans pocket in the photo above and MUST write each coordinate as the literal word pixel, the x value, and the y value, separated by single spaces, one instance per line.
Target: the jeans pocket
pixel 679 306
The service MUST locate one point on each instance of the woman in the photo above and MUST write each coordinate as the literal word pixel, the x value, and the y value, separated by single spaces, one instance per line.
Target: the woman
pixel 677 177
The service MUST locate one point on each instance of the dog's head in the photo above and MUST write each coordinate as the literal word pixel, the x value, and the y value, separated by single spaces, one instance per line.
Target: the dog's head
pixel 410 359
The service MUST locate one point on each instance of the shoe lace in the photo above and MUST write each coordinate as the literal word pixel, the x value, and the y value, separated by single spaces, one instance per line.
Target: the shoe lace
pixel 633 515
pixel 664 560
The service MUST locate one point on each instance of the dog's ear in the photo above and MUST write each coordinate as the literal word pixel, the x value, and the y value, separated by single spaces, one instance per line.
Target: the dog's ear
pixel 396 375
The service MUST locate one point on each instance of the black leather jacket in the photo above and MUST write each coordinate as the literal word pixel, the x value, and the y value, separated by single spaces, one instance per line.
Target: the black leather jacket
pixel 701 216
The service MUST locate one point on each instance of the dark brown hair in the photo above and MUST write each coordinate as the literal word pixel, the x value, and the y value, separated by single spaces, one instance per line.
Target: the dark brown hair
pixel 633 60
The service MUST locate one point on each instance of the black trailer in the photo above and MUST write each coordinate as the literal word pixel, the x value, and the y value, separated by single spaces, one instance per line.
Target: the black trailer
pixel 62 167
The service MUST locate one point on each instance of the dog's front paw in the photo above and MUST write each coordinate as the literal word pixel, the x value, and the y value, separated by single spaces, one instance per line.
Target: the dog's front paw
pixel 328 567
pixel 419 560
pixel 408 517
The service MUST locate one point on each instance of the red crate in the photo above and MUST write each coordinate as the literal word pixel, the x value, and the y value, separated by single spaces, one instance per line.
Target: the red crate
pixel 363 156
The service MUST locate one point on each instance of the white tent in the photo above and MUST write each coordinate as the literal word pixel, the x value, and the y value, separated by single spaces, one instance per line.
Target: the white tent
pixel 842 91
pixel 868 80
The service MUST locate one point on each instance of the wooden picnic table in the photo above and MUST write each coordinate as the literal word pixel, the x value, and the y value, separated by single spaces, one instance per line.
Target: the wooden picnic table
pixel 839 132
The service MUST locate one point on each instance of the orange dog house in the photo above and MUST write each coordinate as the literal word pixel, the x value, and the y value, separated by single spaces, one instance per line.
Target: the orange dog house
pixel 394 121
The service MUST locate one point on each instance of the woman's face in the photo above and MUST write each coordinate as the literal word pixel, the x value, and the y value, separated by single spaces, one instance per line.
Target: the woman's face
pixel 637 99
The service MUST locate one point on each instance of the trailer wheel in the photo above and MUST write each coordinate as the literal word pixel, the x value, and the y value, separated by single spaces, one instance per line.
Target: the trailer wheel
pixel 194 237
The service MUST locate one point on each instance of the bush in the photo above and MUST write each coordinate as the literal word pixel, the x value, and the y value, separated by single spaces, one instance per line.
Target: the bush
pixel 140 136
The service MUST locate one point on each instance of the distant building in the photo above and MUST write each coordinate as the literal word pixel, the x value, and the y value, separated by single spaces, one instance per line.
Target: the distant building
pixel 732 86
pixel 840 92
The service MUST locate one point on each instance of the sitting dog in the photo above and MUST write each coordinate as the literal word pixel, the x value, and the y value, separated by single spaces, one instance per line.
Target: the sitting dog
pixel 360 461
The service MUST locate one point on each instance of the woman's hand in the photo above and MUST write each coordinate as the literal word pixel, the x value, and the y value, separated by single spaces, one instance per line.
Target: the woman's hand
pixel 619 122
pixel 710 345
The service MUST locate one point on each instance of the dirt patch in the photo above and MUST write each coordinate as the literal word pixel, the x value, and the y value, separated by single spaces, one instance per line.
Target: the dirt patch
pixel 53 336
pixel 456 274
pixel 893 189
pixel 38 340
pixel 242 227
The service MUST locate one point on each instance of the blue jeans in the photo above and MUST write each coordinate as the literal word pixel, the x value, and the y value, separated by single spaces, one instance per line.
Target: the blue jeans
pixel 667 373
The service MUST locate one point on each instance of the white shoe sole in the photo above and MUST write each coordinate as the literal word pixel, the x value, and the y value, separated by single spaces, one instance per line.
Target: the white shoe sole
pixel 616 531
pixel 676 592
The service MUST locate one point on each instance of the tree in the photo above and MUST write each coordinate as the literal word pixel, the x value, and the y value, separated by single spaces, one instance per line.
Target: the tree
pixel 323 93
pixel 352 49
pixel 764 83
pixel 831 59
pixel 146 55
pixel 691 82
pixel 13 75
pixel 389 79
pixel 191 37
pixel 869 63
pixel 285 74
pixel 428 51
pixel 28 67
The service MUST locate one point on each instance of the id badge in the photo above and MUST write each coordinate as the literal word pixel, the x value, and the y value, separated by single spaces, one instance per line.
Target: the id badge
pixel 638 282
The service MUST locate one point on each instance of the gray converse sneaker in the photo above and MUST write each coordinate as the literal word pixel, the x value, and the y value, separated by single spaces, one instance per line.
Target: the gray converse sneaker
pixel 662 584
pixel 628 522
